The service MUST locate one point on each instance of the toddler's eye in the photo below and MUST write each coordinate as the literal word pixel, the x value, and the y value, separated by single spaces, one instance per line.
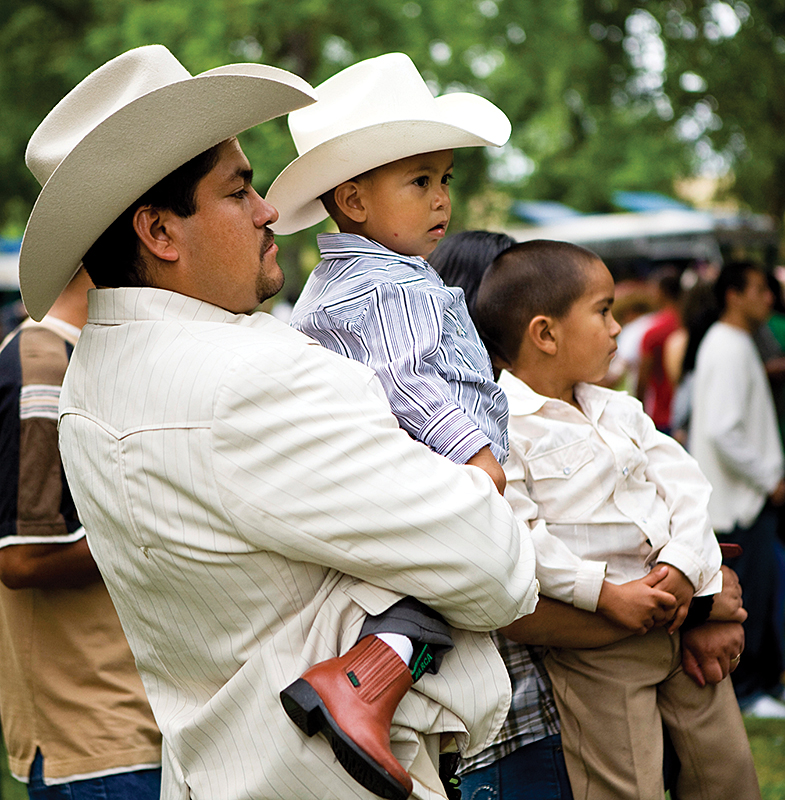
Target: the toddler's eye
pixel 421 181
pixel 447 178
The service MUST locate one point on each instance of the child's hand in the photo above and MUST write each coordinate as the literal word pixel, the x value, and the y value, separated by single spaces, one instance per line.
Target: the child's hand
pixel 677 584
pixel 637 605
pixel 484 459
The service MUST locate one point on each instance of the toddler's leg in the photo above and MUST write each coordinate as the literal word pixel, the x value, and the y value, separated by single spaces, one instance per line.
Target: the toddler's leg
pixel 352 698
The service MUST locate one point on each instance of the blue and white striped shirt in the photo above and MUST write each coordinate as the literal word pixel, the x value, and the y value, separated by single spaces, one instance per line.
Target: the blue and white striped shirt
pixel 394 314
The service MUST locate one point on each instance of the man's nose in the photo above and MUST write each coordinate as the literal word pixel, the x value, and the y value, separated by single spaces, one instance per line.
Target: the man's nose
pixel 264 212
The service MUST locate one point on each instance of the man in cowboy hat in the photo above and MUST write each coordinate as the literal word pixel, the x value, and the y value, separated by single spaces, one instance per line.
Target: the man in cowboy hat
pixel 376 153
pixel 247 494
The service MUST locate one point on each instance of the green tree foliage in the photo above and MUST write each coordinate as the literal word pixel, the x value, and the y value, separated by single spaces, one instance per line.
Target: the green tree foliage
pixel 726 80
pixel 596 89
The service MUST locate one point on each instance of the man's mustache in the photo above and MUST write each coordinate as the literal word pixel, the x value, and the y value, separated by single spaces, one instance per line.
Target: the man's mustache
pixel 269 238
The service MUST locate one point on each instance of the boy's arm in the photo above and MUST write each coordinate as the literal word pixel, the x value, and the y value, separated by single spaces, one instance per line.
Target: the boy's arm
pixel 676 584
pixel 557 624
pixel 399 336
pixel 485 460
pixel 693 547
pixel 636 605
pixel 562 575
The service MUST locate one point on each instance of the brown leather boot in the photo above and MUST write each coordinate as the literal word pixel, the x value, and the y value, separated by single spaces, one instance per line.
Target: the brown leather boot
pixel 351 700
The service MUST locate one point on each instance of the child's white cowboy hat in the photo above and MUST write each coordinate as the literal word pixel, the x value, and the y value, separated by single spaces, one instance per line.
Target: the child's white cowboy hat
pixel 372 113
pixel 121 130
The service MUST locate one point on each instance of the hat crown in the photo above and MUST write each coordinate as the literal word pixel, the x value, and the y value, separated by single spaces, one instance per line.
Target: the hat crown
pixel 101 94
pixel 384 89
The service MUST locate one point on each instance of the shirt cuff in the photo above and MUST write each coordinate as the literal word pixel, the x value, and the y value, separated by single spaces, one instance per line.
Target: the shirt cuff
pixel 588 584
pixel 699 571
pixel 452 434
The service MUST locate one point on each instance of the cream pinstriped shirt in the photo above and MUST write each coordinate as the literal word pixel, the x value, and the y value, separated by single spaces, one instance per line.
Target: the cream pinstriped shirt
pixel 239 485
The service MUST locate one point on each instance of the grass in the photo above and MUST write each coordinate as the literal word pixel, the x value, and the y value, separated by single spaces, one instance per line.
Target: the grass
pixel 10 789
pixel 767 738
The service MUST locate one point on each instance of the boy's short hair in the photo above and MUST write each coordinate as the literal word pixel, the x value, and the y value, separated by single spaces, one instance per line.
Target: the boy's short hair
pixel 526 280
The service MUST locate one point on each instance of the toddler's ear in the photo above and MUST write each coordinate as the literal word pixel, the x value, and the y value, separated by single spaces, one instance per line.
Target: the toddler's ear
pixel 540 332
pixel 348 198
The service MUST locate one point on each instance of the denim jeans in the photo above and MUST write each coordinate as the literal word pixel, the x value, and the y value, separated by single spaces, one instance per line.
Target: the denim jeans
pixel 143 784
pixel 533 772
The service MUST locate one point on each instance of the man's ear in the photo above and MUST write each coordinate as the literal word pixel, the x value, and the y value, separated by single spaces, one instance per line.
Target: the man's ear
pixel 151 226
pixel 542 334
pixel 348 198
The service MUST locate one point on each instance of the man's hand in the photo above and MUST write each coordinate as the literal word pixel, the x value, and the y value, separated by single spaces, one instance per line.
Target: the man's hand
pixel 485 460
pixel 677 584
pixel 708 652
pixel 637 605
pixel 777 495
pixel 727 605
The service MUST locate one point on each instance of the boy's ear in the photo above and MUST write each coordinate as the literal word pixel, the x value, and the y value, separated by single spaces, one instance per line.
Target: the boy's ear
pixel 348 198
pixel 541 333
pixel 152 226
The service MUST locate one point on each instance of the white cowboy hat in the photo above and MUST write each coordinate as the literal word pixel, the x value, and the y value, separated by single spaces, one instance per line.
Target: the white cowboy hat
pixel 121 130
pixel 372 113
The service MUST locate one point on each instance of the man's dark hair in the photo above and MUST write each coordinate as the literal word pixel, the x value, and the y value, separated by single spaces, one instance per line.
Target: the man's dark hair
pixel 526 280
pixel 461 259
pixel 733 275
pixel 115 259
pixel 668 281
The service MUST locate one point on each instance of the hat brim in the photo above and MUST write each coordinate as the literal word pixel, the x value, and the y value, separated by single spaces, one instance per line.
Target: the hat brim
pixel 129 152
pixel 295 192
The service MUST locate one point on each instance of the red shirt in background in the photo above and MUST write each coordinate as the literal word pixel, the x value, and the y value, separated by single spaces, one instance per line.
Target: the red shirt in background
pixel 659 392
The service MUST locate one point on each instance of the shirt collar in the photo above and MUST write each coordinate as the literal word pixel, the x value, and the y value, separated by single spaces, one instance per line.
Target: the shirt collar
pixel 351 245
pixel 523 400
pixel 116 306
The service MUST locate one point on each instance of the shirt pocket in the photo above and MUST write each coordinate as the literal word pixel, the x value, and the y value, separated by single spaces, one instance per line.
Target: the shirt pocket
pixel 564 482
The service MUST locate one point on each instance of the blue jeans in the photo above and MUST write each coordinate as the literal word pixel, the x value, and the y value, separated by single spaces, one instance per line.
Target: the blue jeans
pixel 533 772
pixel 143 784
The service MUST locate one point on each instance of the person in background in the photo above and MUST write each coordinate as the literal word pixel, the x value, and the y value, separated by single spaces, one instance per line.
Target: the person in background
pixel 527 751
pixel 76 720
pixel 654 388
pixel 735 439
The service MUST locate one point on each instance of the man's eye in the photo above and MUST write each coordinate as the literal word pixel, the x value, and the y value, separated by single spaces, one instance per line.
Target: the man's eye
pixel 243 193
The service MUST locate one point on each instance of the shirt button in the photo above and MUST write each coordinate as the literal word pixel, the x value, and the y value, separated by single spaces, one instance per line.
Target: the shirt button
pixel 567 470
pixel 625 472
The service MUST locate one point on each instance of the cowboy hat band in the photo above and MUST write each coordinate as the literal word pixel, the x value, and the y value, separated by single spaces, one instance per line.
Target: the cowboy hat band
pixel 374 112
pixel 120 131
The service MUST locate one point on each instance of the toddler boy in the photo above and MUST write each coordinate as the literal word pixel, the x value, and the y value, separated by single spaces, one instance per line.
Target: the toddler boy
pixel 376 155
pixel 615 498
